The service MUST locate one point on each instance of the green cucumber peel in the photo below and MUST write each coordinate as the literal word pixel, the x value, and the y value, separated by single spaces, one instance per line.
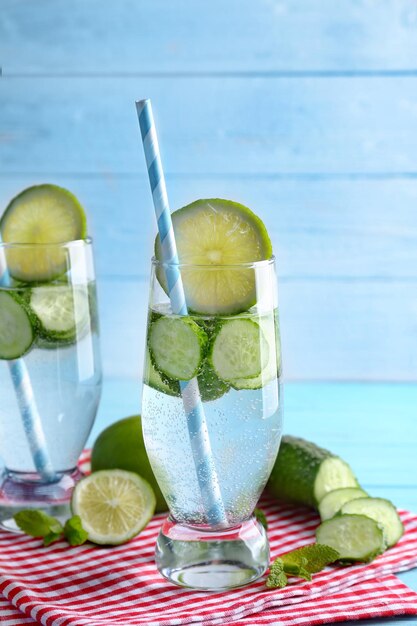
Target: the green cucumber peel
pixel 177 347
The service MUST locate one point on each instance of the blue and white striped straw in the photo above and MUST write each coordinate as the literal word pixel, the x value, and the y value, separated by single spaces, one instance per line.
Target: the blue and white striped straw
pixel 31 420
pixel 193 405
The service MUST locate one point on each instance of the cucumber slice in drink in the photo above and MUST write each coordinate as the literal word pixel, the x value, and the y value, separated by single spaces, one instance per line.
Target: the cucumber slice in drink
pixel 211 233
pixel 334 500
pixel 17 326
pixel 177 346
pixel 239 350
pixel 63 311
pixel 380 510
pixel 154 379
pixel 304 473
pixel 355 537
pixel 44 214
pixel 272 364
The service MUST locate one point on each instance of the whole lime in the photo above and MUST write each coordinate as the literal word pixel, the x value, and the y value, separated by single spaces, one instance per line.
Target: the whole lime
pixel 121 446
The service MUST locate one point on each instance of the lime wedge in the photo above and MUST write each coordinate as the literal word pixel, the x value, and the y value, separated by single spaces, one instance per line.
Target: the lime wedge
pixel 44 214
pixel 114 505
pixel 211 233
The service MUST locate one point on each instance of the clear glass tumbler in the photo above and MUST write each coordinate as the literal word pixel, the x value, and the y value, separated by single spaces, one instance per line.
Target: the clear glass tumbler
pixel 50 372
pixel 238 374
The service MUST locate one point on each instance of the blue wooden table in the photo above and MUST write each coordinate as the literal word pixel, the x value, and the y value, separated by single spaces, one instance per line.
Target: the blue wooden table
pixel 304 111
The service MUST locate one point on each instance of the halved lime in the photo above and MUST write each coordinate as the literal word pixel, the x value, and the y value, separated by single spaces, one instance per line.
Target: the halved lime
pixel 44 214
pixel 121 446
pixel 211 233
pixel 114 505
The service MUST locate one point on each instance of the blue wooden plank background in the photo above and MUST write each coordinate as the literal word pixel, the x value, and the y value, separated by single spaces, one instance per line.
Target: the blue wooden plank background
pixel 304 111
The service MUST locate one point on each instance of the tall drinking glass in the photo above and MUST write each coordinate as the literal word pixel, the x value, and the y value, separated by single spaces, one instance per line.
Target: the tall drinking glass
pixel 243 419
pixel 50 372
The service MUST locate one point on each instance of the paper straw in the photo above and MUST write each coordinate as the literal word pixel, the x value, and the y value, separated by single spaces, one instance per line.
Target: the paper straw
pixel 193 405
pixel 31 420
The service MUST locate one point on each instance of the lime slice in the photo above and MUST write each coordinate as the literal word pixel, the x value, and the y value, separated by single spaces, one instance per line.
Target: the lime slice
pixel 44 214
pixel 210 233
pixel 114 505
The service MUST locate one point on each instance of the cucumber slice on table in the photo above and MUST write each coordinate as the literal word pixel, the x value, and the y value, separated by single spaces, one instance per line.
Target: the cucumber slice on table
pixel 210 233
pixel 239 350
pixel 63 311
pixel 17 326
pixel 334 500
pixel 380 510
pixel 304 473
pixel 44 214
pixel 355 537
pixel 177 346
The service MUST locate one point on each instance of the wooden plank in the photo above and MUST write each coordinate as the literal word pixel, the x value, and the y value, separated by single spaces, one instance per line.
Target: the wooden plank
pixel 350 229
pixel 347 257
pixel 224 126
pixel 184 36
pixel 331 329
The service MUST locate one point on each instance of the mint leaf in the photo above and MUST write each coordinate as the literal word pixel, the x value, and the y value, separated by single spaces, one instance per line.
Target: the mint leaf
pixel 301 562
pixel 261 517
pixel 74 531
pixel 312 558
pixel 36 523
pixel 50 538
pixel 277 578
pixel 297 569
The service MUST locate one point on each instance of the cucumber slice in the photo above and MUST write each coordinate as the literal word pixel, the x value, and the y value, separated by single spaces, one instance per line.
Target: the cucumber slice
pixel 17 326
pixel 355 537
pixel 380 510
pixel 334 500
pixel 63 311
pixel 214 232
pixel 177 346
pixel 154 379
pixel 42 214
pixel 239 350
pixel 304 473
pixel 272 367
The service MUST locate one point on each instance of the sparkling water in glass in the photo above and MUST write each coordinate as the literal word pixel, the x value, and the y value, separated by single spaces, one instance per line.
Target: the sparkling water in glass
pixel 244 422
pixel 64 369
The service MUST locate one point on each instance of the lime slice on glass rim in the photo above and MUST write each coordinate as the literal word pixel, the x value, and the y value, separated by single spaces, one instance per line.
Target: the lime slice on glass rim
pixel 114 505
pixel 43 214
pixel 215 232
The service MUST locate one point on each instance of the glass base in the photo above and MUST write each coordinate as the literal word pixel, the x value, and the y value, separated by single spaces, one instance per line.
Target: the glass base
pixel 209 560
pixel 20 490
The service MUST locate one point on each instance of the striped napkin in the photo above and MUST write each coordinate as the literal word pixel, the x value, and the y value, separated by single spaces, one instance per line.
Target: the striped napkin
pixel 93 586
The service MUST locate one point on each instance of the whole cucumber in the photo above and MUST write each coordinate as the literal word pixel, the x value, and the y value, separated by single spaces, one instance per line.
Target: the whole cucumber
pixel 303 472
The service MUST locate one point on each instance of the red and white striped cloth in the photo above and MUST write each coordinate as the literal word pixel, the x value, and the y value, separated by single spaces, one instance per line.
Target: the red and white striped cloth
pixel 93 586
